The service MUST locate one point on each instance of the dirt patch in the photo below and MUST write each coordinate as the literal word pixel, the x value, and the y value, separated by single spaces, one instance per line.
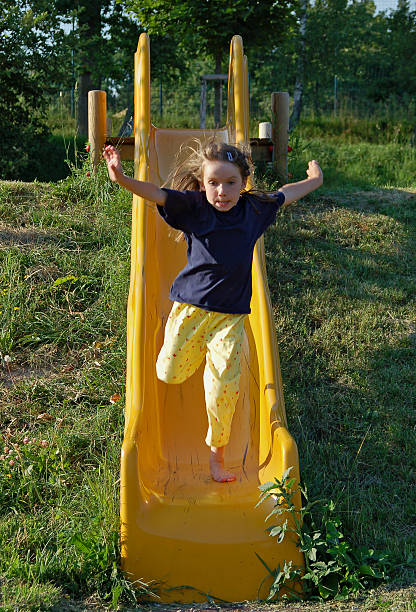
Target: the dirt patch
pixel 386 599
pixel 44 363
pixel 28 237
pixel 15 375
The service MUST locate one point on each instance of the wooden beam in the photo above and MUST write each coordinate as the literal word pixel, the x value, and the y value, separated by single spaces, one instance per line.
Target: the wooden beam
pixel 261 148
pixel 125 146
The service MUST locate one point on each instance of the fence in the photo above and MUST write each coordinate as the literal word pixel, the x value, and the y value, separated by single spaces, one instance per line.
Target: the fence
pixel 178 104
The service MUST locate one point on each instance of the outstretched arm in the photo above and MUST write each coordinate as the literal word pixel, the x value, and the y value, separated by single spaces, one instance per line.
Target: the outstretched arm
pixel 296 191
pixel 148 191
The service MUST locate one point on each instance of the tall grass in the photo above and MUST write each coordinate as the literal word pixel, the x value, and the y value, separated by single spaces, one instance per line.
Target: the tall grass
pixel 349 129
pixel 358 166
pixel 65 265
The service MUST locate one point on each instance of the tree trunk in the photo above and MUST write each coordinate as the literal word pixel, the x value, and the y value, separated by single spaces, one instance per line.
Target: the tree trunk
pixel 217 91
pixel 300 69
pixel 89 24
pixel 84 86
pixel 127 126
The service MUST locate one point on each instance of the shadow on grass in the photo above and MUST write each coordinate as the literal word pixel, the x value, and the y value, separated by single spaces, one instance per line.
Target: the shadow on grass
pixel 342 279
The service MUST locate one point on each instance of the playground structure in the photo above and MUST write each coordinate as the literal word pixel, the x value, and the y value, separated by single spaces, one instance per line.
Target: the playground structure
pixel 205 79
pixel 194 537
pixel 271 146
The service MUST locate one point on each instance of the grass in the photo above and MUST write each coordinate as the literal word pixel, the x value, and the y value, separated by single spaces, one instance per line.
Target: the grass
pixel 63 327
pixel 341 268
pixel 350 129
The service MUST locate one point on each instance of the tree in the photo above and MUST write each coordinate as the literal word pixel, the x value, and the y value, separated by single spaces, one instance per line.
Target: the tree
pixel 300 68
pixel 118 47
pixel 102 39
pixel 89 16
pixel 86 41
pixel 334 41
pixel 207 27
pixel 401 43
pixel 343 41
pixel 29 60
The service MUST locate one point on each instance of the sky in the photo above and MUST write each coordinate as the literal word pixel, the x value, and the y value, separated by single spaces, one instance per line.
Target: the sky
pixel 386 5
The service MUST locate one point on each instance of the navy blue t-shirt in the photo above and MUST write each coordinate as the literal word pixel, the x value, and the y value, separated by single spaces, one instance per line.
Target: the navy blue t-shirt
pixel 217 276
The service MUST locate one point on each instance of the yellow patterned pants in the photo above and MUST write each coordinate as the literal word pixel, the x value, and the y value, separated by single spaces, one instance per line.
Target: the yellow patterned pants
pixel 191 334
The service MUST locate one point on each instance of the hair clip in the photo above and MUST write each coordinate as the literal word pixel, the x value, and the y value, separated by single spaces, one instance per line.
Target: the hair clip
pixel 230 156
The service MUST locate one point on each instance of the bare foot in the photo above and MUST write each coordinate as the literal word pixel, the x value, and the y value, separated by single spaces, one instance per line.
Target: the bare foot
pixel 216 464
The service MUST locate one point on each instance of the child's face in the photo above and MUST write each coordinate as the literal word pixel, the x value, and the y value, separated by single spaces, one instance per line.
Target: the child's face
pixel 222 183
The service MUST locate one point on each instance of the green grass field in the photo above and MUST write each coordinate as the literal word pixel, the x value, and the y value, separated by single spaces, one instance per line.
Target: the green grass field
pixel 342 276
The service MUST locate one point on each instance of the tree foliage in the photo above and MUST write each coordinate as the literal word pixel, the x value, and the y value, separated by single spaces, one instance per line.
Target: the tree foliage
pixel 207 27
pixel 401 44
pixel 29 60
pixel 366 54
pixel 103 38
pixel 370 54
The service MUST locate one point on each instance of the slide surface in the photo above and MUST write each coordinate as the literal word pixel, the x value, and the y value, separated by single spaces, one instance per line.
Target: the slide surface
pixel 191 535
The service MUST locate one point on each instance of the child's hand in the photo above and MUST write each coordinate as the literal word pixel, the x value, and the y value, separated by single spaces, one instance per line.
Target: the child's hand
pixel 314 171
pixel 114 167
pixel 295 191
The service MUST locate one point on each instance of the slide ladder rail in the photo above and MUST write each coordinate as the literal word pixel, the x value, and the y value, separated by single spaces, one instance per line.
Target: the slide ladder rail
pixel 261 319
pixel 136 312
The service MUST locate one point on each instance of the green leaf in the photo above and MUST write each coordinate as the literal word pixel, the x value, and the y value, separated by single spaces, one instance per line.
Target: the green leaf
pixel 275 531
pixel 271 572
pixel 290 483
pixel 367 570
pixel 286 473
pixel 324 592
pixel 267 486
pixel 65 279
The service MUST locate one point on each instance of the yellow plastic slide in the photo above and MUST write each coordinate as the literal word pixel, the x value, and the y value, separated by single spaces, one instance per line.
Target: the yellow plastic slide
pixel 191 535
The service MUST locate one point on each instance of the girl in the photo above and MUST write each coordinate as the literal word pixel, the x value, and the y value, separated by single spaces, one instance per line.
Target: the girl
pixel 221 222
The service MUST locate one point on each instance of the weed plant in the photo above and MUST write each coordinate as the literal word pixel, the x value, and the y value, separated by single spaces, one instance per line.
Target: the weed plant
pixel 333 567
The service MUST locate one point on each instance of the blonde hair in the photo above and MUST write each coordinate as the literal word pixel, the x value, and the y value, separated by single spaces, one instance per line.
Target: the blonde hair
pixel 188 174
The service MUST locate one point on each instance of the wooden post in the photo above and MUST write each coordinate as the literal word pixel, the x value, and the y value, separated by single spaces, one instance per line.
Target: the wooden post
pixel 280 123
pixel 97 125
